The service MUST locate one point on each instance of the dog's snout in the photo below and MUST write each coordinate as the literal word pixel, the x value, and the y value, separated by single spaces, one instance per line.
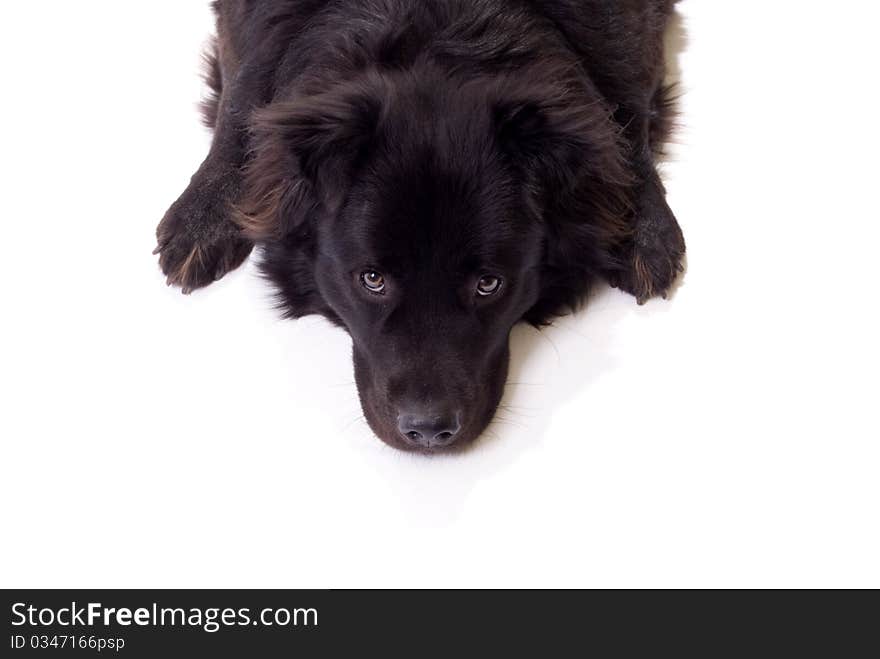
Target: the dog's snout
pixel 429 429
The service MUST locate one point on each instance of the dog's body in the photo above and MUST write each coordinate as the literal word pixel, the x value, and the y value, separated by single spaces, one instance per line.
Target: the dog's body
pixel 427 173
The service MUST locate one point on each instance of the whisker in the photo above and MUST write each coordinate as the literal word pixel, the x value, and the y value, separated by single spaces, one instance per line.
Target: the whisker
pixel 549 340
pixel 511 422
pixel 348 425
pixel 527 412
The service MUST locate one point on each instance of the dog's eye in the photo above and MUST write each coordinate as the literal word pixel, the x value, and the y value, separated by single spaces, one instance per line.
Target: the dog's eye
pixel 488 285
pixel 373 281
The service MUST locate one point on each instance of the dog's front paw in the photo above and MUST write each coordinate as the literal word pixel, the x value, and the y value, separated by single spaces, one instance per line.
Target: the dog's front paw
pixel 652 259
pixel 198 242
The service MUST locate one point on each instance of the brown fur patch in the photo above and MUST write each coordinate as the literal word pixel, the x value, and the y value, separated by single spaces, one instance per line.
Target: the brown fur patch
pixel 185 273
pixel 644 279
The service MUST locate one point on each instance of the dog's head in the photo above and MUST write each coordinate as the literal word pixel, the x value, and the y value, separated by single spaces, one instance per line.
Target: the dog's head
pixel 427 219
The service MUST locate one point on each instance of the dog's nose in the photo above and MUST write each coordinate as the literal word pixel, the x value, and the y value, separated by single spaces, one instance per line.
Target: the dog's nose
pixel 429 429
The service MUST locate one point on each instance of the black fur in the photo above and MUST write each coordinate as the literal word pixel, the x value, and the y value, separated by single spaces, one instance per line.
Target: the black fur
pixel 434 142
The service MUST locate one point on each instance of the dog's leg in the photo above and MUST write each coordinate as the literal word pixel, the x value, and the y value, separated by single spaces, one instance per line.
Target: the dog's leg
pixel 622 47
pixel 198 241
pixel 650 259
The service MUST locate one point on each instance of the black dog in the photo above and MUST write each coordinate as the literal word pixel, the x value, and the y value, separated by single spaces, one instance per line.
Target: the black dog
pixel 427 173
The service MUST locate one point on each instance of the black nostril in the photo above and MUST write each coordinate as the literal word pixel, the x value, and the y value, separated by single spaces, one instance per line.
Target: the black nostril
pixel 429 429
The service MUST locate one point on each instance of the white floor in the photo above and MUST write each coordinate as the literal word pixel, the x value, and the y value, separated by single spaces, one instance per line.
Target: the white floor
pixel 727 437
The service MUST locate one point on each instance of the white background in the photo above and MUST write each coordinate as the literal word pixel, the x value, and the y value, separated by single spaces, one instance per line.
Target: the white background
pixel 727 437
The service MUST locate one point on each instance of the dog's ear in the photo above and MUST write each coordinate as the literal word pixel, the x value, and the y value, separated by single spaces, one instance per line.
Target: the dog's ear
pixel 558 139
pixel 575 169
pixel 304 153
